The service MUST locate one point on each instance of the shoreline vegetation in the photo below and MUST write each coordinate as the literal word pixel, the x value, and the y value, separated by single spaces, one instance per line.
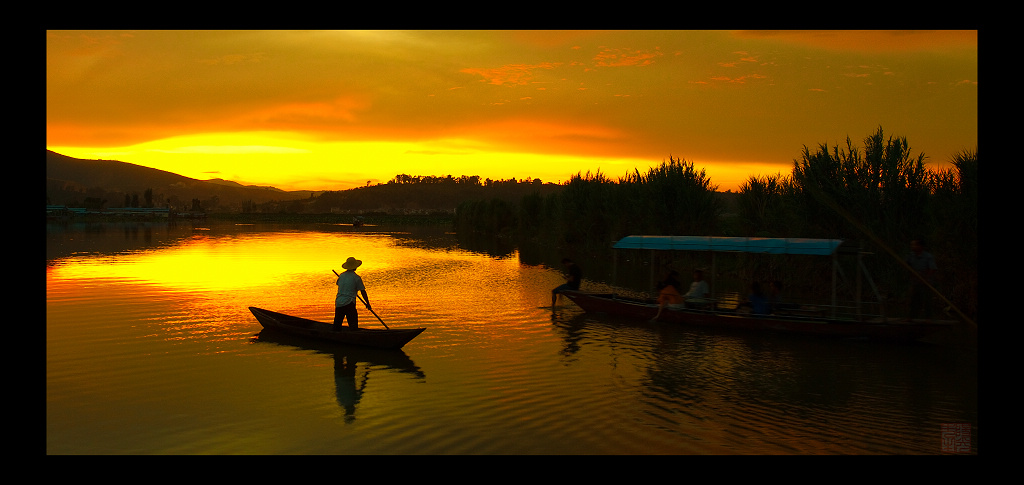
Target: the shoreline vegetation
pixel 877 196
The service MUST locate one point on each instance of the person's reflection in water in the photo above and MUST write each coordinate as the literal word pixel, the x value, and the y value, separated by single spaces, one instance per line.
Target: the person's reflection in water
pixel 345 384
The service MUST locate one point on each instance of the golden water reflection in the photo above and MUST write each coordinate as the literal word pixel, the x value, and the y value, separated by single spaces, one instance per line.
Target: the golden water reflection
pixel 228 263
pixel 211 276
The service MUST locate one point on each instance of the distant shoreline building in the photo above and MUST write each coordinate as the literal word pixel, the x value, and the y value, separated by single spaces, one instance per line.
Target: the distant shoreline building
pixel 62 212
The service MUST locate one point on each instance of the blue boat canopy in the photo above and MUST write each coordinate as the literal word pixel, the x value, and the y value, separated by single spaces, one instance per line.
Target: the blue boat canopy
pixel 822 247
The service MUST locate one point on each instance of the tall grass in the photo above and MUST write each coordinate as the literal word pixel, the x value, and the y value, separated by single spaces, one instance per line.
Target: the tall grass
pixel 884 187
pixel 954 240
pixel 765 205
pixel 674 198
pixel 592 209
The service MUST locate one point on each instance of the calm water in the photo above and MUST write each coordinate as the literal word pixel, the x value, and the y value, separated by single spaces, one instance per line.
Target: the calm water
pixel 150 349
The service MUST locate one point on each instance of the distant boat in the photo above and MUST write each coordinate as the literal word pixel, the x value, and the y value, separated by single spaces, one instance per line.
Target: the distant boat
pixel 365 337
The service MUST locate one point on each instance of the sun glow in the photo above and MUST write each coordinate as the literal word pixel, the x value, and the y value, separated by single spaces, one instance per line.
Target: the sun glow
pixel 291 161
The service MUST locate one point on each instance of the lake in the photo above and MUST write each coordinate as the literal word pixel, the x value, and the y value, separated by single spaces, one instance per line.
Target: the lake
pixel 151 349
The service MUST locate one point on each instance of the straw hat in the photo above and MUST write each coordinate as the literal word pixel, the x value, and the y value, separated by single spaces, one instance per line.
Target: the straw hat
pixel 351 263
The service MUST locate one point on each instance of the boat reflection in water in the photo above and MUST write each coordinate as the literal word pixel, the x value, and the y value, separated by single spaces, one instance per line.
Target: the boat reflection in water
pixel 353 365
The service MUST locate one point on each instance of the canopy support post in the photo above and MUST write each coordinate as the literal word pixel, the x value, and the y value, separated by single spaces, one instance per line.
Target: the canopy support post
pixel 835 266
pixel 860 264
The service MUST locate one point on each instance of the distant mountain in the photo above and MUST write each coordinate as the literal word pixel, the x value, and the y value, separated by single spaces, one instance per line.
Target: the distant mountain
pixel 231 183
pixel 72 179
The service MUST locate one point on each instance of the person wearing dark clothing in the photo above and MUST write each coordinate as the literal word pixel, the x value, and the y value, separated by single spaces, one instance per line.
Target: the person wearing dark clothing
pixel 758 303
pixel 573 278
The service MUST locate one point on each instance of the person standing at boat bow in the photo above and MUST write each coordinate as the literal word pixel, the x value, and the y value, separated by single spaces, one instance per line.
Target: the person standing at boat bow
pixel 345 303
pixel 573 278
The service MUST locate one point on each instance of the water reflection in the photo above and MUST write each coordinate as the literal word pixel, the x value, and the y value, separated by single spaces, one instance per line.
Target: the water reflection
pixel 150 348
pixel 352 365
pixel 791 394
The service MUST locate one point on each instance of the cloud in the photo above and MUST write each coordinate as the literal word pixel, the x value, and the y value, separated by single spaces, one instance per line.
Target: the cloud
pixel 738 79
pixel 625 57
pixel 341 109
pixel 514 74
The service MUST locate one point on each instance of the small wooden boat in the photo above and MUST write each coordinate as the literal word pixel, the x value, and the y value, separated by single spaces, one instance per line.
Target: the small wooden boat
pixel 365 337
pixel 875 329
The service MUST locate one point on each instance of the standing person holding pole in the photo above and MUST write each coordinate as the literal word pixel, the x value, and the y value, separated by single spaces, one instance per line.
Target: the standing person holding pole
pixel 349 283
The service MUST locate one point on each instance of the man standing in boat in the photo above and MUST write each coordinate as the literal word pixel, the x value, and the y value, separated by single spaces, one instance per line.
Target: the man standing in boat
pixel 345 303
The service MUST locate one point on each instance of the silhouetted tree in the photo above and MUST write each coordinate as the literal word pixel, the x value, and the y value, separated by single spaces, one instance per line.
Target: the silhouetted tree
pixel 762 205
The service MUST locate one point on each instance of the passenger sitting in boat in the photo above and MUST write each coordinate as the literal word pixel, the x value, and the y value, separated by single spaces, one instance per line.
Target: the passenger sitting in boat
pixel 758 303
pixel 668 292
pixel 775 302
pixel 668 289
pixel 699 293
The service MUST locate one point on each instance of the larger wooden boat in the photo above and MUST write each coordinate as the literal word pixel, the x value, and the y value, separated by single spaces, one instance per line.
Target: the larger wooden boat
pixel 828 319
pixel 365 337
pixel 876 328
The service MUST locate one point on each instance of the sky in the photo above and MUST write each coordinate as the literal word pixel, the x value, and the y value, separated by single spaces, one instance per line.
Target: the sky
pixel 333 110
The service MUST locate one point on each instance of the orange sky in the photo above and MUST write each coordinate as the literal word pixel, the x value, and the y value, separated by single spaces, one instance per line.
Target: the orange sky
pixel 335 109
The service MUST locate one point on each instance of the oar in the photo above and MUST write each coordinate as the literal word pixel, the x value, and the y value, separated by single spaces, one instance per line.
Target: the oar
pixel 367 306
pixel 373 312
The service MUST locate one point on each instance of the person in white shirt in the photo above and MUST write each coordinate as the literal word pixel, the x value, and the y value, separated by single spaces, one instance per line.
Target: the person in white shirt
pixel 345 303
pixel 699 291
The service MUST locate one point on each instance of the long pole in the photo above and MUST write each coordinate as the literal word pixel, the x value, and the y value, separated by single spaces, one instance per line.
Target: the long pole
pixel 373 312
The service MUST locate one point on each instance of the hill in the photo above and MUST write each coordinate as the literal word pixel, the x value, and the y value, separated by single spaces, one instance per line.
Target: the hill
pixel 443 196
pixel 72 180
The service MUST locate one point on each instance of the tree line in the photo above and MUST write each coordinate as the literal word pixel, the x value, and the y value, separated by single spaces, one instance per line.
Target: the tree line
pixel 406 192
pixel 464 180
